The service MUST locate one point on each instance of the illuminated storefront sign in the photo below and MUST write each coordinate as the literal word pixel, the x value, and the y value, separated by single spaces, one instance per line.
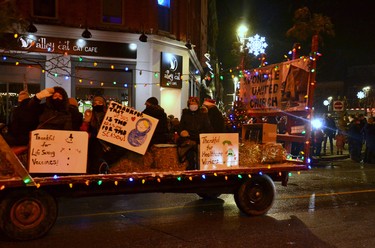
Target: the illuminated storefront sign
pixel 42 44
pixel 171 70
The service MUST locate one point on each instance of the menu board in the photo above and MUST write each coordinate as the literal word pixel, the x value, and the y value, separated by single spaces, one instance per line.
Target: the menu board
pixel 58 151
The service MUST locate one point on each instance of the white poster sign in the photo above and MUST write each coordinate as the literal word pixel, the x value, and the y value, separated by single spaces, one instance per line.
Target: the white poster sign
pixel 127 127
pixel 218 151
pixel 58 151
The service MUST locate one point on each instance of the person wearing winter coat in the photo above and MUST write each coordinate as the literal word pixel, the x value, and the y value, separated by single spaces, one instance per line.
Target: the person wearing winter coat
pixel 23 121
pixel 355 139
pixel 161 133
pixel 194 121
pixel 329 129
pixel 101 154
pixel 216 117
pixel 54 113
pixel 340 142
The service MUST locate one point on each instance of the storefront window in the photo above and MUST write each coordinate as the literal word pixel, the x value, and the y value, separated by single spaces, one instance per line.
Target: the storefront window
pixel 14 79
pixel 112 11
pixel 114 85
pixel 164 15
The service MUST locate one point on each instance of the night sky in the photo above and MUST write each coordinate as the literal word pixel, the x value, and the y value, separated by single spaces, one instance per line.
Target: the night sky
pixel 353 43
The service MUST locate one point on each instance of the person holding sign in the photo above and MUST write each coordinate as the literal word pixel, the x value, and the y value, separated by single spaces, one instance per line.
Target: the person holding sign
pixel 100 153
pixel 194 121
pixel 54 113
pixel 153 109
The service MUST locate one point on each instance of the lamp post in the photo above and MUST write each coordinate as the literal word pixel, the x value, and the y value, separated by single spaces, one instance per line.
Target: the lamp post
pixel 241 37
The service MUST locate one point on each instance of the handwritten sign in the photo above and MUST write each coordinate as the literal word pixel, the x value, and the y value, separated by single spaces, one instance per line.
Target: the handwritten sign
pixel 218 151
pixel 127 127
pixel 58 151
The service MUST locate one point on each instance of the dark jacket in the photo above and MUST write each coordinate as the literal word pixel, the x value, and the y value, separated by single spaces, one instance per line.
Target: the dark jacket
pixel 369 133
pixel 329 127
pixel 77 117
pixel 51 117
pixel 195 123
pixel 24 120
pixel 216 119
pixel 161 133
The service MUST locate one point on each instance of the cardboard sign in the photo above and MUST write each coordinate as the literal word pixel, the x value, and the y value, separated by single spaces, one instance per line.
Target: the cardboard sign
pixel 58 151
pixel 218 151
pixel 127 127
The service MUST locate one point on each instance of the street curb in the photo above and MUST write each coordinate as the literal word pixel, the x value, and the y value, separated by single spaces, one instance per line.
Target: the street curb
pixel 329 158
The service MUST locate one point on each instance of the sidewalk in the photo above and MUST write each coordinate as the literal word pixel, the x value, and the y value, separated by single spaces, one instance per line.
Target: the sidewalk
pixel 331 157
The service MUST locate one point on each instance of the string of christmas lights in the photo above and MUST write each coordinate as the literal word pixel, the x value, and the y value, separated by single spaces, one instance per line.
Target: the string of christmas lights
pixel 118 180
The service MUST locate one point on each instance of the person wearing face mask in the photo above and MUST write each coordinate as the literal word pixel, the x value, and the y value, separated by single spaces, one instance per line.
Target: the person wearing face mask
pixel 54 112
pixel 194 121
pixel 101 154
pixel 93 117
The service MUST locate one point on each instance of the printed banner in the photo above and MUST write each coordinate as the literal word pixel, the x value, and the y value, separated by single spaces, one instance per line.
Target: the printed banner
pixel 58 151
pixel 218 151
pixel 277 87
pixel 127 127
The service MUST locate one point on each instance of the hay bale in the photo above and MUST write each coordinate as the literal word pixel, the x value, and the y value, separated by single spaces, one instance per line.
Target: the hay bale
pixel 161 157
pixel 273 153
pixel 250 153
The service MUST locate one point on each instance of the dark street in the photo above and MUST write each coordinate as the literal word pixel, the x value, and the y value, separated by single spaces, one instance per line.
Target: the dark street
pixel 319 208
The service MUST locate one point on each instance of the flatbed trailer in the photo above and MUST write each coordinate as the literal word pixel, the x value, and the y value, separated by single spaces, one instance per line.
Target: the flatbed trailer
pixel 29 208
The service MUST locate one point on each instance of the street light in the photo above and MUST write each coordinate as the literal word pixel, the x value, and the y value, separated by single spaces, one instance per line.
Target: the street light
pixel 241 35
pixel 327 102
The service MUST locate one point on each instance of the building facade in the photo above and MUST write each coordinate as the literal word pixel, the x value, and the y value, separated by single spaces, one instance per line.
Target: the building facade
pixel 125 50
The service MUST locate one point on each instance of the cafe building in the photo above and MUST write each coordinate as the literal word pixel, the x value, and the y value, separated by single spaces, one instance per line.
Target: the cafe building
pixel 126 67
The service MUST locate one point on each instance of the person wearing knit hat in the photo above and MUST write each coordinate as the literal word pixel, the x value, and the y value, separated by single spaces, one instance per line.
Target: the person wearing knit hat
pixel 99 100
pixel 215 115
pixel 23 95
pixel 93 118
pixel 193 100
pixel 161 133
pixel 152 101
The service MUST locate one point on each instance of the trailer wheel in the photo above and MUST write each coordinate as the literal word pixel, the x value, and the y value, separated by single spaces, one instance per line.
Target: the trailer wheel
pixel 27 214
pixel 256 195
pixel 208 196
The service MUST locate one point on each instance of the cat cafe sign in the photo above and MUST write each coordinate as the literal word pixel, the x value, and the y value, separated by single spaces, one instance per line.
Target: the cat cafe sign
pixel 171 70
pixel 44 44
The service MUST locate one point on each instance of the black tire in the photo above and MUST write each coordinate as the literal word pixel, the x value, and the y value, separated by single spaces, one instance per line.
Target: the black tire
pixel 256 195
pixel 27 214
pixel 208 196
